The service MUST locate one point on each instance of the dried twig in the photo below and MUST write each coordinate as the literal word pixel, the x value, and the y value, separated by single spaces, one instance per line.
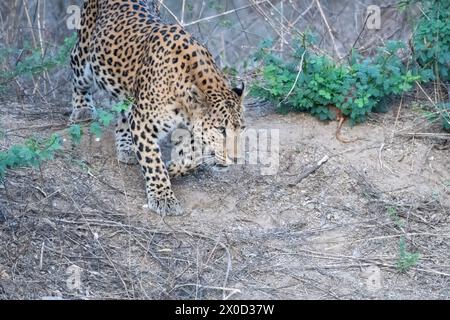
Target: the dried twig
pixel 223 13
pixel 423 135
pixel 300 70
pixel 310 170
pixel 330 32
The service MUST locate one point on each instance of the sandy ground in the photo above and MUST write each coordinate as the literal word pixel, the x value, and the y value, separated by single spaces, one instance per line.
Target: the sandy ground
pixel 76 227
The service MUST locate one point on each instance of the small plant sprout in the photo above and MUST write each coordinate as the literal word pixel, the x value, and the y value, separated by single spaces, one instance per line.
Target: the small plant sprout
pixel 406 260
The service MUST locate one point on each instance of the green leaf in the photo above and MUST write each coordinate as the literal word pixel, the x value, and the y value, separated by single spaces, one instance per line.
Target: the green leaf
pixel 359 102
pixel 105 118
pixel 96 129
pixel 407 260
pixel 325 94
pixel 76 132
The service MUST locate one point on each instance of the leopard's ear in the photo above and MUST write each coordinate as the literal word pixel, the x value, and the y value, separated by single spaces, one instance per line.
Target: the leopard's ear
pixel 240 91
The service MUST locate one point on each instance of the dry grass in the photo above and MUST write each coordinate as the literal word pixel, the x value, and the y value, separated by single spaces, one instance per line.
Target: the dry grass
pixel 252 237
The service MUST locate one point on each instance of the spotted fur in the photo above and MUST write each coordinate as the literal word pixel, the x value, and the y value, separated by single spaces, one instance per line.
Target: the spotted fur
pixel 125 49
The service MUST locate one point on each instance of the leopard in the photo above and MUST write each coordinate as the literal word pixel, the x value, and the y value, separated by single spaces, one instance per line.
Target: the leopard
pixel 172 80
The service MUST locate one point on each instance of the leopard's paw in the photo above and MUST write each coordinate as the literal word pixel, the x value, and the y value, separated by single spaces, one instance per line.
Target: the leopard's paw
pixel 83 114
pixel 165 206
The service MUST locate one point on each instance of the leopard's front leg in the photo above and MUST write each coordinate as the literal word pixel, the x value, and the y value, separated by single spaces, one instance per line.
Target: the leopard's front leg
pixel 161 198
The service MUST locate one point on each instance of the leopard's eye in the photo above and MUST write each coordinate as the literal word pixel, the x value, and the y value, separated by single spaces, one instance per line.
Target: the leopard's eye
pixel 222 130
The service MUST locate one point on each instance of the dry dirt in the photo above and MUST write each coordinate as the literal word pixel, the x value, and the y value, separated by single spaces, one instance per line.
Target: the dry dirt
pixel 76 229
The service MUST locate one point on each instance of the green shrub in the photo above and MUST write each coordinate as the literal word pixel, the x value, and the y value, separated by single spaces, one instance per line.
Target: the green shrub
pixel 35 151
pixel 406 260
pixel 31 62
pixel 360 85
pixel 356 88
pixel 30 154
pixel 431 40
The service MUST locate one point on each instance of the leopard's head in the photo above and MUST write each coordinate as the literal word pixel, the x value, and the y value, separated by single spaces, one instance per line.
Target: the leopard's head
pixel 223 125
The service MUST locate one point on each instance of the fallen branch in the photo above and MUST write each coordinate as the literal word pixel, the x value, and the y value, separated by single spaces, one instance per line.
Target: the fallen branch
pixel 424 135
pixel 310 170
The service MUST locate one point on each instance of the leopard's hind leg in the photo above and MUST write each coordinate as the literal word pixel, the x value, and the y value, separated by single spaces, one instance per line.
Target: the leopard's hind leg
pixel 124 141
pixel 82 104
pixel 82 74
